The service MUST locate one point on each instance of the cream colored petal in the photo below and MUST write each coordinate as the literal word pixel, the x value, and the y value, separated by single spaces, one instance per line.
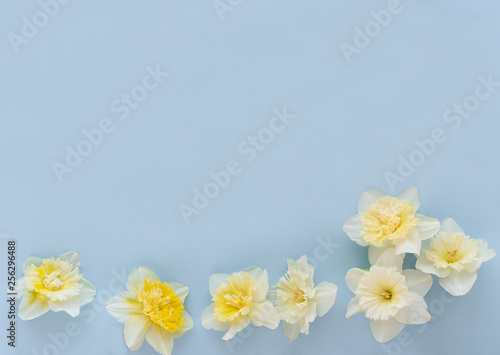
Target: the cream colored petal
pixel 353 307
pixel 353 277
pixel 427 227
pixel 291 331
pixel 188 324
pixel 215 281
pixel 411 195
pixel 70 306
pixel 385 330
pixel 450 226
pixel 305 267
pixel 264 314
pixel 353 228
pixel 32 307
pixel 255 271
pixel 425 265
pixel 458 283
pixel 138 276
pixel 180 290
pixel 262 286
pixel 236 325
pixel 367 197
pixel 271 293
pixel 325 294
pixel 485 253
pixel 72 258
pixel 87 293
pixel 411 244
pixel 123 305
pixel 31 261
pixel 374 253
pixel 415 313
pixel 418 281
pixel 135 331
pixel 160 340
pixel 389 258
pixel 20 288
pixel 209 322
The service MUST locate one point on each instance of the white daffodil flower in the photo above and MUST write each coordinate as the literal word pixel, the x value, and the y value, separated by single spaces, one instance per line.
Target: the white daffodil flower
pixel 151 310
pixel 239 299
pixel 386 221
pixel 454 257
pixel 297 300
pixel 53 284
pixel 389 296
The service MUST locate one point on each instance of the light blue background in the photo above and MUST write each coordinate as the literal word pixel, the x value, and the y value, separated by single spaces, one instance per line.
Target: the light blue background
pixel 119 208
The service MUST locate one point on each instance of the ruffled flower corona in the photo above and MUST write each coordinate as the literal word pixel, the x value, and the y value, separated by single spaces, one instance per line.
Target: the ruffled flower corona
pixel 151 310
pixel 53 284
pixel 386 221
pixel 297 300
pixel 389 296
pixel 238 299
pixel 454 257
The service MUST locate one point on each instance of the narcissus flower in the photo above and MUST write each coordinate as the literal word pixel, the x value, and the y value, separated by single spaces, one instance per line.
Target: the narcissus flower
pixel 151 310
pixel 297 300
pixel 386 221
pixel 238 299
pixel 454 257
pixel 389 296
pixel 53 284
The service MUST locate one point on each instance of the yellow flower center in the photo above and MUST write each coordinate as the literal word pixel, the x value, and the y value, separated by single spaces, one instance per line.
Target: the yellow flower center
pixel 452 250
pixel 387 219
pixel 234 298
pixel 162 305
pixel 54 279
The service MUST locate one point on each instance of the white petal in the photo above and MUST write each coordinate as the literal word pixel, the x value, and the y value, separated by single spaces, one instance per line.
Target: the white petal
pixel 389 259
pixel 188 324
pixel 450 226
pixel 160 340
pixel 485 254
pixel 87 293
pixel 237 325
pixel 20 288
pixel 411 244
pixel 458 283
pixel 291 331
pixel 418 281
pixel 425 265
pixel 31 261
pixel 72 258
pixel 264 314
pixel 385 330
pixel 427 226
pixel 353 307
pixel 411 195
pixel 215 281
pixel 138 276
pixel 122 305
pixel 374 253
pixel 325 295
pixel 136 328
pixel 353 228
pixel 70 306
pixel 180 290
pixel 262 286
pixel 209 322
pixel 367 197
pixel 271 293
pixel 353 277
pixel 32 307
pixel 305 267
pixel 256 272
pixel 415 313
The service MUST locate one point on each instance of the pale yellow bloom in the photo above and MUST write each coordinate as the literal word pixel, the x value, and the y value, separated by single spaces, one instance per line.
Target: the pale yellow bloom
pixel 389 296
pixel 385 221
pixel 454 257
pixel 151 310
pixel 239 299
pixel 53 284
pixel 298 300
